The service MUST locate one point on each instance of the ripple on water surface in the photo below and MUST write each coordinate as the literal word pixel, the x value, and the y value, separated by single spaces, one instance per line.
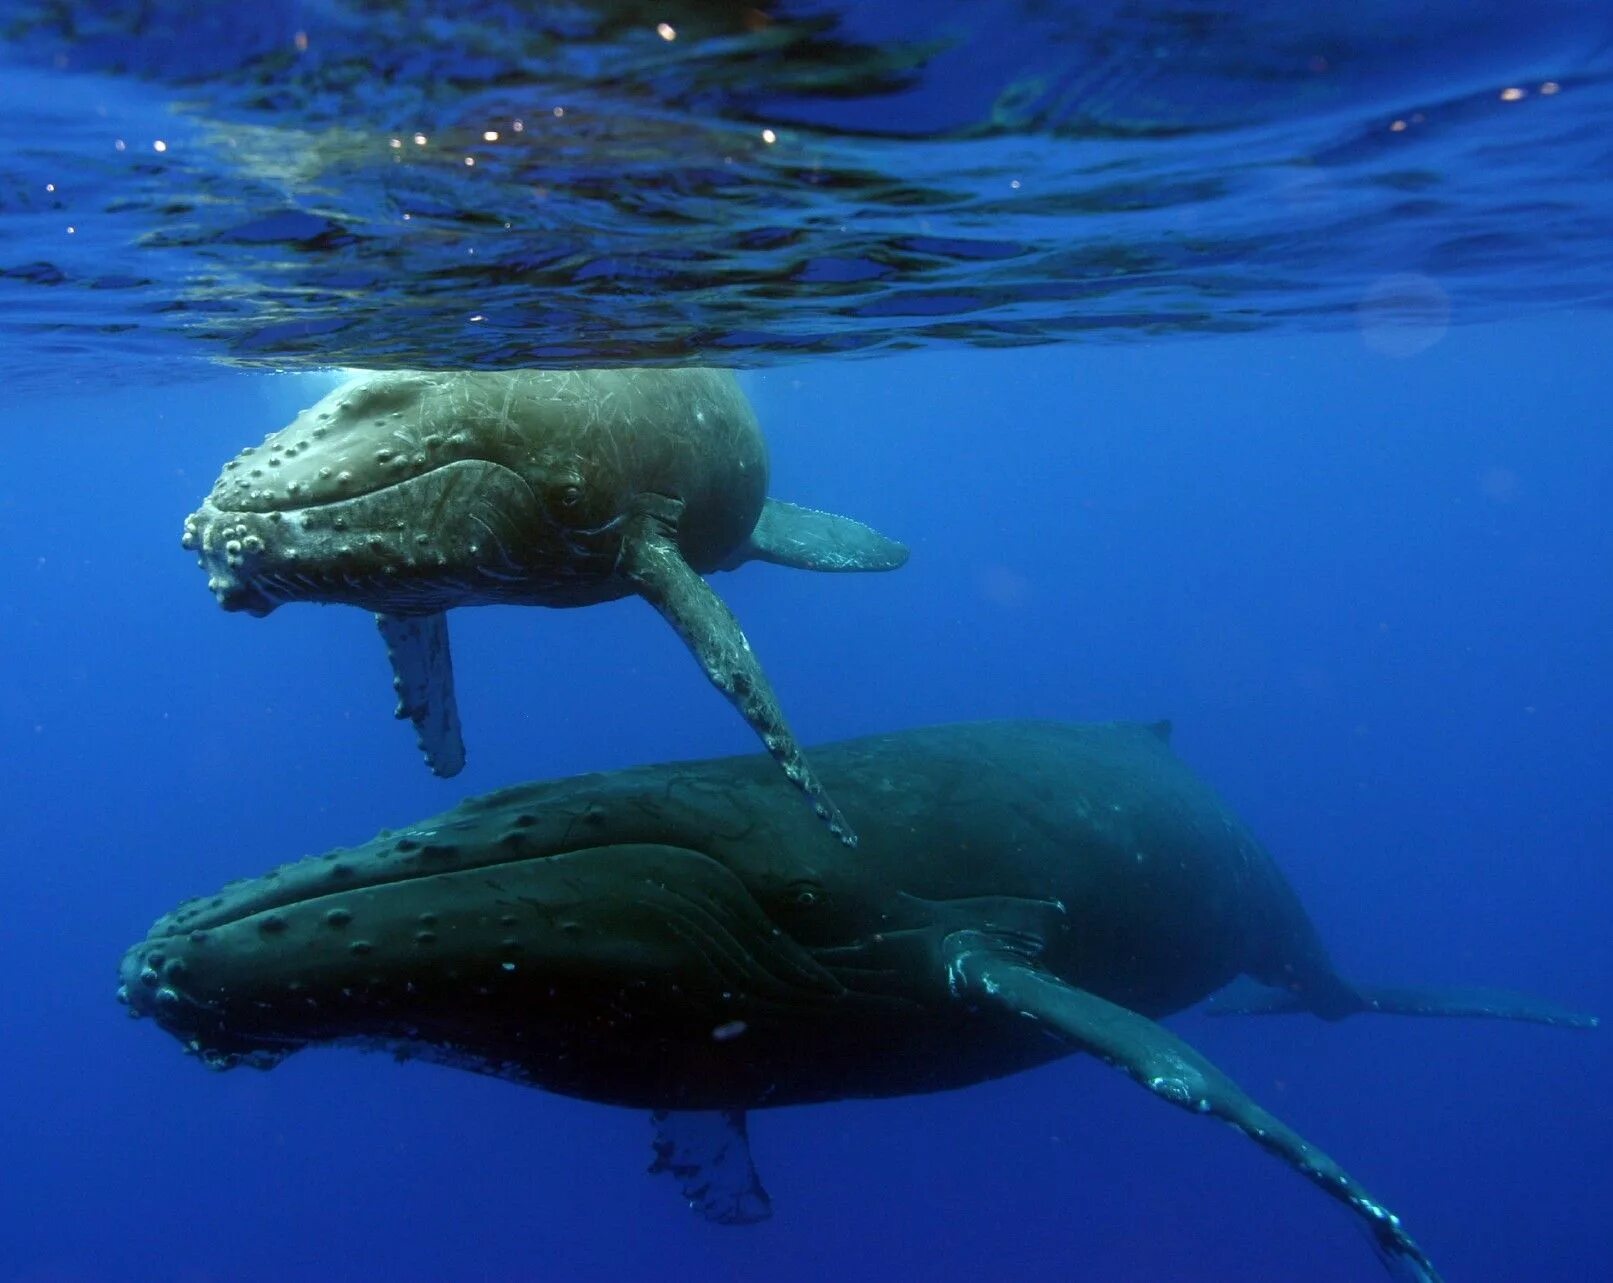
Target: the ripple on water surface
pixel 373 185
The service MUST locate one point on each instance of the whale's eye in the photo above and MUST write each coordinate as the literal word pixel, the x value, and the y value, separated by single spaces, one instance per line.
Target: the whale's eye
pixel 564 492
pixel 806 895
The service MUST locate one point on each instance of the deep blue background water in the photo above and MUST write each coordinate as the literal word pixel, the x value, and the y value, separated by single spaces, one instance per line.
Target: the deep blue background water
pixel 1358 548
pixel 499 183
pixel 1371 591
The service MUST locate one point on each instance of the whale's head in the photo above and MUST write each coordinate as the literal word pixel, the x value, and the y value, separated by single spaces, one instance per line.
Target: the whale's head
pixel 512 938
pixel 410 492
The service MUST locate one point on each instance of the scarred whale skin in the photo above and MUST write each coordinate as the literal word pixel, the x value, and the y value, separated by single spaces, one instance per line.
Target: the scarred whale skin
pixel 409 493
pixel 524 475
pixel 685 937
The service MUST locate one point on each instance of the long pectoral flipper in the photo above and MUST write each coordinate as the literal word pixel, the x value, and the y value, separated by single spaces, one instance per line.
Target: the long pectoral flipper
pixel 787 534
pixel 984 972
pixel 651 560
pixel 708 1151
pixel 423 676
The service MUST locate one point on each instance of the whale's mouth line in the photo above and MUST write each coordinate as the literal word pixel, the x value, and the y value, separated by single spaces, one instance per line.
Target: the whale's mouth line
pixel 425 855
pixel 386 487
pixel 463 532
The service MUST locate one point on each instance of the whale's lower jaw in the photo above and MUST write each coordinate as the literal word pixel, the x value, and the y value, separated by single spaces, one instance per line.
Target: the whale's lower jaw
pixel 148 989
pixel 462 534
pixel 616 971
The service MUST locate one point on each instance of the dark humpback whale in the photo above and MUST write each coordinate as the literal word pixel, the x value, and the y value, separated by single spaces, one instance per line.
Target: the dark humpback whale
pixel 686 939
pixel 409 493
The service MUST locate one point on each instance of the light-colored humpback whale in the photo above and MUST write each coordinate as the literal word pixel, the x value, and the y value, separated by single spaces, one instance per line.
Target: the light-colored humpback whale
pixel 411 493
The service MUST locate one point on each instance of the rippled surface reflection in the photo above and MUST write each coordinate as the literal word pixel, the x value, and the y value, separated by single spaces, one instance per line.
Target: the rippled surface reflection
pixel 301 185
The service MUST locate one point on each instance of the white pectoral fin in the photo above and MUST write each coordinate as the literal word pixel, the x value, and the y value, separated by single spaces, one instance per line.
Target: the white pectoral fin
pixel 983 972
pixel 423 676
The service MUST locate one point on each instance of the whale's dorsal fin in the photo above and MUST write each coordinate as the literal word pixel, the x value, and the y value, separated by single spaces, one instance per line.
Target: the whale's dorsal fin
pixel 709 1153
pixel 789 535
pixel 423 676
pixel 987 972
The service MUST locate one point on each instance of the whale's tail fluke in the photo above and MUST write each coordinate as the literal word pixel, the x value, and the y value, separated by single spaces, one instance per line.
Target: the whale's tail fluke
pixel 1495 1004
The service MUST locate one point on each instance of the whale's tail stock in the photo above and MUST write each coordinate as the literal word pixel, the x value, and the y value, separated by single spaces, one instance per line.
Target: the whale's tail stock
pixel 1292 972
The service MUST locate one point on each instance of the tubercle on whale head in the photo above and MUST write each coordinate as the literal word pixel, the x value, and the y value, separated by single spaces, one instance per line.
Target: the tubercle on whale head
pixel 227 551
pixel 412 492
pixel 152 975
pixel 439 941
pixel 582 440
pixel 387 428
pixel 466 532
pixel 372 432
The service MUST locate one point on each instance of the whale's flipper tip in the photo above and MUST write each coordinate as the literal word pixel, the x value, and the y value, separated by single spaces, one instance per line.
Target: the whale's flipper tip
pixel 987 972
pixel 651 561
pixel 423 676
pixel 1402 1266
pixel 709 1153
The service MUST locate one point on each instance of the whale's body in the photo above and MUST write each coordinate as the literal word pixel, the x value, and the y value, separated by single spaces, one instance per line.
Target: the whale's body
pixel 685 938
pixel 409 493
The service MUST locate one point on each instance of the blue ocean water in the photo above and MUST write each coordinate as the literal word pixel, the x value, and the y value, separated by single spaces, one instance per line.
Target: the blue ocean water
pixel 1321 477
